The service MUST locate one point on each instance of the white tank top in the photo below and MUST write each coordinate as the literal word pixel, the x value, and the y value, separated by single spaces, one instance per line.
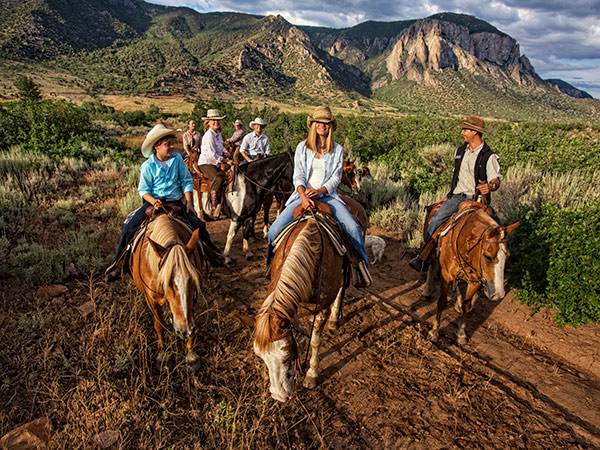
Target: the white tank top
pixel 316 174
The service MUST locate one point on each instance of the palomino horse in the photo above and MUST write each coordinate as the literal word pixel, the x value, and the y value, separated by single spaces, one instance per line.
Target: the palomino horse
pixel 473 250
pixel 307 277
pixel 165 267
pixel 349 175
pixel 251 182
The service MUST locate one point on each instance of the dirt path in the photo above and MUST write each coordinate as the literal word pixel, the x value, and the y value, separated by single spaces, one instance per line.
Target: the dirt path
pixel 520 381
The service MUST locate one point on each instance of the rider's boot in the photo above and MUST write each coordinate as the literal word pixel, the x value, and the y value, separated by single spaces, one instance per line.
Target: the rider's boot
pixel 364 276
pixel 214 199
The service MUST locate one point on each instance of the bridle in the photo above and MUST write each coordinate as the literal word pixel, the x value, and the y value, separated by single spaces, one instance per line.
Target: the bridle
pixel 466 268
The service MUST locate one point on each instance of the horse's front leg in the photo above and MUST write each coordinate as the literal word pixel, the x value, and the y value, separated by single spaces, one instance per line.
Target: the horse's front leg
pixel 441 305
pixel 162 360
pixel 267 202
pixel 248 232
pixel 192 359
pixel 310 381
pixel 336 309
pixel 234 226
pixel 466 307
pixel 431 274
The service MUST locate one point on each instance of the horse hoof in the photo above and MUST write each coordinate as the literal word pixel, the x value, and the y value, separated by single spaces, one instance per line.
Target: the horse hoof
pixel 310 382
pixel 425 297
pixel 462 340
pixel 249 255
pixel 334 324
pixel 227 261
pixel 193 361
pixel 433 336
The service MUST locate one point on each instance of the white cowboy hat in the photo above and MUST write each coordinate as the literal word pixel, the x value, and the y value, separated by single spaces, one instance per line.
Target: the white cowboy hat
pixel 157 132
pixel 258 121
pixel 213 114
pixel 238 122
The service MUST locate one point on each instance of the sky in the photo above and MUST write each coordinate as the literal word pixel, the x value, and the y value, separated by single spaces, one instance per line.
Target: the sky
pixel 561 38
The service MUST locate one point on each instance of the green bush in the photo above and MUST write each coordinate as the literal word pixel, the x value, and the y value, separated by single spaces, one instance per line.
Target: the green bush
pixel 555 262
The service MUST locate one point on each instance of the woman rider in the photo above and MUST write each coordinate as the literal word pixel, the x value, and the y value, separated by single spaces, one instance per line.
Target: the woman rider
pixel 317 173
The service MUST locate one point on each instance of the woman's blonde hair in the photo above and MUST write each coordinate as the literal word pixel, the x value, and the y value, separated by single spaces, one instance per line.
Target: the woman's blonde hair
pixel 206 125
pixel 311 140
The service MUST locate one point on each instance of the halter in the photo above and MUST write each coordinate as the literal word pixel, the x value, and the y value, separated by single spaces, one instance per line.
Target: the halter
pixel 290 331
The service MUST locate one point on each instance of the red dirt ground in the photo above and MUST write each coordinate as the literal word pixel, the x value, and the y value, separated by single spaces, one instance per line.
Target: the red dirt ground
pixel 520 382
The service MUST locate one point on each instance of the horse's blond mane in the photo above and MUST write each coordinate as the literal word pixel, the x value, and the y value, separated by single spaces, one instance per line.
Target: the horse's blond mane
pixel 295 284
pixel 164 231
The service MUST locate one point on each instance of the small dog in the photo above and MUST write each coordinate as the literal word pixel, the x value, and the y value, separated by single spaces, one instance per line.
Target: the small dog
pixel 377 245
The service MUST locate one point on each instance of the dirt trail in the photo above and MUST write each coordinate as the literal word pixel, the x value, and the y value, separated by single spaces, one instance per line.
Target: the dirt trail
pixel 519 382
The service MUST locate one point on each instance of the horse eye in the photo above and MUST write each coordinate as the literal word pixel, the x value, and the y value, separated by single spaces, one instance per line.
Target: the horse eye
pixel 284 324
pixel 488 258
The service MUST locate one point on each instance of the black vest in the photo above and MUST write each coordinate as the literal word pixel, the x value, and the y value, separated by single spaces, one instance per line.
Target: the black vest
pixel 480 167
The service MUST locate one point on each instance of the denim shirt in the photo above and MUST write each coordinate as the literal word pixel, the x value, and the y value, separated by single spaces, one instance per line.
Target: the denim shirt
pixel 166 182
pixel 303 160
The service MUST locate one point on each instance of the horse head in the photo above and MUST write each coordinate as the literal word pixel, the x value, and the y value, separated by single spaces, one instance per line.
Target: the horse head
pixel 488 253
pixel 349 175
pixel 276 344
pixel 178 280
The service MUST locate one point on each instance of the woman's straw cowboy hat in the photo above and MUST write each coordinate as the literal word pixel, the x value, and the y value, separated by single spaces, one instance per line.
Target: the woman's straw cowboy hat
pixel 157 132
pixel 258 121
pixel 213 114
pixel 238 122
pixel 322 114
pixel 473 123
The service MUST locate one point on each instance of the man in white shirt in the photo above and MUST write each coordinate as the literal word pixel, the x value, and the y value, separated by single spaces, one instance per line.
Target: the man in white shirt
pixel 255 144
pixel 212 156
pixel 476 173
pixel 191 138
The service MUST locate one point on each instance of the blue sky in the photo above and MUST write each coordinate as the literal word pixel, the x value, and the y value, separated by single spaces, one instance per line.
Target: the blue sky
pixel 560 38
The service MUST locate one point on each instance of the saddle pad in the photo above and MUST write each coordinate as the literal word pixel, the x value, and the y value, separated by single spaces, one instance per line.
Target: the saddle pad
pixel 334 236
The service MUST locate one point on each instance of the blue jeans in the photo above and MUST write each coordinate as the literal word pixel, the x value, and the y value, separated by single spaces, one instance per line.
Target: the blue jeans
pixel 341 214
pixel 138 218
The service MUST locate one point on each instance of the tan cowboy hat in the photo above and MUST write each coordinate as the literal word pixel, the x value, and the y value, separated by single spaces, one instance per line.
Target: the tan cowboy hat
pixel 238 122
pixel 322 114
pixel 213 114
pixel 473 123
pixel 157 132
pixel 258 121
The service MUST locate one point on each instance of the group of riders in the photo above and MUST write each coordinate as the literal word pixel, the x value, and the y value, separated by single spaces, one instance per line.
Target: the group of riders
pixel 318 165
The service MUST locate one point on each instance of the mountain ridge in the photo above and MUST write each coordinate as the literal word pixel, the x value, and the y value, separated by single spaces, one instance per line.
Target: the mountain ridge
pixel 131 46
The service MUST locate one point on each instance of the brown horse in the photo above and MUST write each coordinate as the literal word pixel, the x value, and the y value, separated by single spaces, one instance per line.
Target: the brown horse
pixel 165 267
pixel 349 175
pixel 307 277
pixel 473 250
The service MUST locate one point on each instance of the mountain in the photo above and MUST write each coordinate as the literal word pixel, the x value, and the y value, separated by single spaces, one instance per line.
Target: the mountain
pixel 568 89
pixel 448 63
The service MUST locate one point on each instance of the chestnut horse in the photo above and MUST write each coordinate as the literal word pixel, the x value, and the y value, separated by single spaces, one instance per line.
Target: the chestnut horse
pixel 307 277
pixel 349 175
pixel 165 267
pixel 473 250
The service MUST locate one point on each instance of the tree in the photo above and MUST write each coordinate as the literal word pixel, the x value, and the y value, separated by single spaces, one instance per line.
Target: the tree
pixel 28 90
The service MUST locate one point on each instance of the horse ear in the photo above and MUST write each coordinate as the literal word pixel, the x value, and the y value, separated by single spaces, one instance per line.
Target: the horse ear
pixel 352 161
pixel 193 242
pixel 158 249
pixel 246 320
pixel 509 229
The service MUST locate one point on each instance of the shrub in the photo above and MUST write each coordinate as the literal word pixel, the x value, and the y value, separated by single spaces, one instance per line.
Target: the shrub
pixel 555 262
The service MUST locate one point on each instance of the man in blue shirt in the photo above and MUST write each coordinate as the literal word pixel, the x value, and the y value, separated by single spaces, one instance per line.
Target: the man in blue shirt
pixel 255 144
pixel 163 177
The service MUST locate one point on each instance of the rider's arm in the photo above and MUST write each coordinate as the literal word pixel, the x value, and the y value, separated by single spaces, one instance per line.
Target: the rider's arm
pixel 267 146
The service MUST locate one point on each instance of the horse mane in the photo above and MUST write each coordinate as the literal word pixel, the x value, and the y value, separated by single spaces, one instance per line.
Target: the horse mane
pixel 295 283
pixel 167 233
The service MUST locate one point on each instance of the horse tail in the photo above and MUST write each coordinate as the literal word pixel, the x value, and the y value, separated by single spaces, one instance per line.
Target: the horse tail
pixel 177 261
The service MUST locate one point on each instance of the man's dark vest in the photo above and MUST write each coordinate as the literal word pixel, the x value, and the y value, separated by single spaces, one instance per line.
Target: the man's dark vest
pixel 480 171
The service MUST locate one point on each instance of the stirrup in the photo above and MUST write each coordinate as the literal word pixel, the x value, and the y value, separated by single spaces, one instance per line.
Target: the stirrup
pixel 364 276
